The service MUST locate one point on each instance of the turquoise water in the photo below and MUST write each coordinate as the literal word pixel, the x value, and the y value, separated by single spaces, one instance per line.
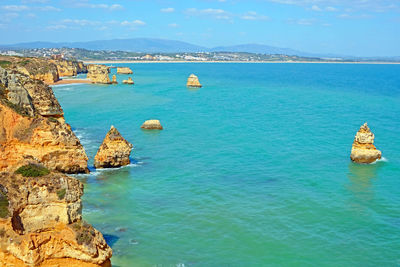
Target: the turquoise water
pixel 253 169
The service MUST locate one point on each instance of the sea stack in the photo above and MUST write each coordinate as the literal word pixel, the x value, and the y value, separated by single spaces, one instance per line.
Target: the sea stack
pixel 114 79
pixel 98 73
pixel 129 81
pixel 124 70
pixel 363 149
pixel 152 125
pixel 114 151
pixel 193 81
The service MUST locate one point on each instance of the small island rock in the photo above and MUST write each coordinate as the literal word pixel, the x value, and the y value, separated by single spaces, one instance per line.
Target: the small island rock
pixel 129 81
pixel 124 70
pixel 114 79
pixel 114 151
pixel 98 73
pixel 152 125
pixel 363 149
pixel 193 81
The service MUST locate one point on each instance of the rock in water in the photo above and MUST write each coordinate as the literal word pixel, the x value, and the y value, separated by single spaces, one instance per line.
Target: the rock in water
pixel 152 125
pixel 193 81
pixel 363 149
pixel 98 73
pixel 114 79
pixel 114 151
pixel 124 70
pixel 41 222
pixel 129 81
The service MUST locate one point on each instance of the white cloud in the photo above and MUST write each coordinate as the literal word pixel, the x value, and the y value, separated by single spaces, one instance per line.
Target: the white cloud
pixel 252 15
pixel 330 8
pixel 80 22
pixel 48 8
pixel 133 25
pixel 303 22
pixel 173 25
pixel 101 6
pixel 167 10
pixel 8 17
pixel 316 8
pixel 56 27
pixel 36 1
pixel 210 12
pixel 15 8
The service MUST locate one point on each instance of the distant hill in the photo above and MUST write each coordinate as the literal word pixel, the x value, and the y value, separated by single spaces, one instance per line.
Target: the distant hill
pixel 151 45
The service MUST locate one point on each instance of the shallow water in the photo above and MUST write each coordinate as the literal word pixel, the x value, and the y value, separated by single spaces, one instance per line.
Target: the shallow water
pixel 252 169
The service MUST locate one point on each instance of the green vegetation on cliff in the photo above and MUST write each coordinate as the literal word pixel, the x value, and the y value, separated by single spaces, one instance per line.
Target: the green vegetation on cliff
pixel 32 170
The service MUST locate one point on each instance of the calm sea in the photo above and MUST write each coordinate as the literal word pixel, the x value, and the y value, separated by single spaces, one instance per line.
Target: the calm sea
pixel 253 169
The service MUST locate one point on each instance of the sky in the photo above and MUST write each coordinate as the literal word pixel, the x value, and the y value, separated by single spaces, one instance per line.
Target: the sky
pixel 344 27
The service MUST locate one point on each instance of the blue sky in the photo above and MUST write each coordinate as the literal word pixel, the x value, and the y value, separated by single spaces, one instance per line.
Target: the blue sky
pixel 349 27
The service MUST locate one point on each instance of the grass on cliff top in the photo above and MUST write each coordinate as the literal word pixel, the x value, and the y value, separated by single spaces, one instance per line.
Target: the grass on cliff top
pixel 32 170
pixel 5 63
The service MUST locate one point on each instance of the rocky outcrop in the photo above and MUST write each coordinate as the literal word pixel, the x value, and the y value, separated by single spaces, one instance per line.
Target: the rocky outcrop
pixel 41 223
pixel 69 67
pixel 193 81
pixel 114 151
pixel 98 73
pixel 32 126
pixel 114 79
pixel 124 70
pixel 363 149
pixel 129 81
pixel 152 125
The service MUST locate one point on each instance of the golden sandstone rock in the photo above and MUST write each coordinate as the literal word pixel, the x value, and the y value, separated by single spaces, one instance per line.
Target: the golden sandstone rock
pixel 98 73
pixel 114 151
pixel 32 126
pixel 152 125
pixel 42 223
pixel 114 79
pixel 193 81
pixel 124 70
pixel 129 81
pixel 363 149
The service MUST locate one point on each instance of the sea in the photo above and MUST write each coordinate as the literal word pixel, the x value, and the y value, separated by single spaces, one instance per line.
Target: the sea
pixel 252 169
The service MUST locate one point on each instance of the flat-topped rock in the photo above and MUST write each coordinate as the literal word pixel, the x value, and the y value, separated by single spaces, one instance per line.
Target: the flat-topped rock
pixel 124 70
pixel 129 81
pixel 98 73
pixel 152 125
pixel 193 81
pixel 114 151
pixel 363 149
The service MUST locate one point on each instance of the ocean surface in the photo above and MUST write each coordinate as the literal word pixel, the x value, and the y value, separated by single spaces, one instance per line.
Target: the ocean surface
pixel 253 169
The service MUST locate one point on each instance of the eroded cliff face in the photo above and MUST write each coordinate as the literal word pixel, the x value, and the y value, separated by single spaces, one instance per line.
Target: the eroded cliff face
pixel 69 67
pixel 363 149
pixel 98 73
pixel 42 223
pixel 32 126
pixel 114 151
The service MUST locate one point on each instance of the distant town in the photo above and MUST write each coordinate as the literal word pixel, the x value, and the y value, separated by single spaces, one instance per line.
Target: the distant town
pixel 103 55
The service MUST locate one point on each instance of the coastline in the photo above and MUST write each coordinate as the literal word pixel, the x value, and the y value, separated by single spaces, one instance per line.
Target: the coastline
pixel 244 62
pixel 70 81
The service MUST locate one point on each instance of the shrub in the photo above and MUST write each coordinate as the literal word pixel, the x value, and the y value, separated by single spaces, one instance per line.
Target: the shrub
pixel 3 205
pixel 4 63
pixel 61 193
pixel 32 170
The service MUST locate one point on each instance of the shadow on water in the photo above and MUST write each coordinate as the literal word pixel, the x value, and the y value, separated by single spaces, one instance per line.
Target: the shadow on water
pixel 361 177
pixel 111 239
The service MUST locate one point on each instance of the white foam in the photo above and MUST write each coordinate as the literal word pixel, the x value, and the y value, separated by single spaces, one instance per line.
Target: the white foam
pixel 383 159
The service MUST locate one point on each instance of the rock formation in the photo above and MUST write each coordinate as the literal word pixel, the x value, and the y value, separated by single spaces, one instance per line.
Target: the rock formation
pixel 152 125
pixel 41 222
pixel 129 81
pixel 363 149
pixel 98 73
pixel 69 67
pixel 114 79
pixel 193 81
pixel 124 70
pixel 114 151
pixel 32 126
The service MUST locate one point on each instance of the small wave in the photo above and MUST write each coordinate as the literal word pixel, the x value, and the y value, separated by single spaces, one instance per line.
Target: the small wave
pixel 100 171
pixel 383 159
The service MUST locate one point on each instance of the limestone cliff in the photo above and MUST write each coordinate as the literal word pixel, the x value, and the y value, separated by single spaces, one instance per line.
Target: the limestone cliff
pixel 363 149
pixel 193 81
pixel 69 67
pixel 32 126
pixel 114 151
pixel 41 222
pixel 98 73
pixel 124 70
pixel 152 125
